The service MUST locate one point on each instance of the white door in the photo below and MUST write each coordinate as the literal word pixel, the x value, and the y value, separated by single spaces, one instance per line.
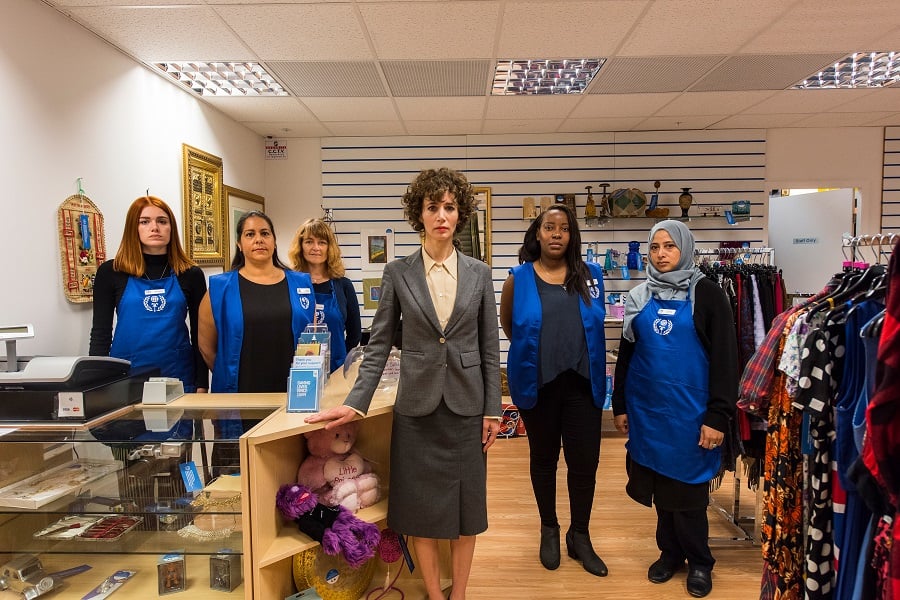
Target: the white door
pixel 806 232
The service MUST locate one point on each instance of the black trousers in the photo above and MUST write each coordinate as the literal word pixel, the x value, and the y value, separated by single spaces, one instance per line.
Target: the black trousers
pixel 684 534
pixel 564 414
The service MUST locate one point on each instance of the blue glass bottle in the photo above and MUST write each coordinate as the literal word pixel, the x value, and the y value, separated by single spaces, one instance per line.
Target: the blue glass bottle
pixel 633 260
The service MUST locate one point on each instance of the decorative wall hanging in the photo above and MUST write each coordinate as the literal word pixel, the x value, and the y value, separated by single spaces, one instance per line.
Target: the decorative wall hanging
pixel 627 202
pixel 204 207
pixel 239 203
pixel 82 245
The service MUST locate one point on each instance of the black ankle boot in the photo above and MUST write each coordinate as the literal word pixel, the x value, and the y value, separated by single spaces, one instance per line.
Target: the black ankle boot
pixel 580 548
pixel 550 547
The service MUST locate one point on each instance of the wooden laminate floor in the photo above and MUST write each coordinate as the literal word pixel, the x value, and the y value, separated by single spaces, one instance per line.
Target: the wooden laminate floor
pixel 506 556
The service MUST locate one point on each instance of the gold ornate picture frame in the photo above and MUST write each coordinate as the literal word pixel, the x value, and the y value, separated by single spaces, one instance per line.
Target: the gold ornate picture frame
pixel 204 208
pixel 239 203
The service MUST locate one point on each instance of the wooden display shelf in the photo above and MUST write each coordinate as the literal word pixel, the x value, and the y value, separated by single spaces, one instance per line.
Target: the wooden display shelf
pixel 270 456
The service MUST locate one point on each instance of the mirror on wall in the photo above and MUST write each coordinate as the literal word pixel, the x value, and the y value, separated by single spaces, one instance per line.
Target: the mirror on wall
pixel 475 239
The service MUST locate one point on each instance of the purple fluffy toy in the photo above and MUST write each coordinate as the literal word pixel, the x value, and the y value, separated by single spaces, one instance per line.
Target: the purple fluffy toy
pixel 335 527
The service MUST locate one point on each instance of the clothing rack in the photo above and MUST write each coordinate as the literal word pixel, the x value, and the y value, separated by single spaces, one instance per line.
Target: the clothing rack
pixel 876 242
pixel 766 255
pixel 746 526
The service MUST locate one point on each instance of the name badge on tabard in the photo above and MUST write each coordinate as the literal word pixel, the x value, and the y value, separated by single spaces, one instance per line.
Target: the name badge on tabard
pixel 668 312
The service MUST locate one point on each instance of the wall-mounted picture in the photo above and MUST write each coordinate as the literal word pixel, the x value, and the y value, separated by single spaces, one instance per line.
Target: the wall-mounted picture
pixel 371 292
pixel 376 248
pixel 204 208
pixel 239 203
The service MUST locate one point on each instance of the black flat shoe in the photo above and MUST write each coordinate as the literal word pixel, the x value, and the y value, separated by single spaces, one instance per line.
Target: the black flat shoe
pixel 661 571
pixel 550 547
pixel 579 547
pixel 699 583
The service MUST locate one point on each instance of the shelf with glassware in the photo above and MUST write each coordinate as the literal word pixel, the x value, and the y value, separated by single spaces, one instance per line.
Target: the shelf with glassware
pixel 272 454
pixel 110 494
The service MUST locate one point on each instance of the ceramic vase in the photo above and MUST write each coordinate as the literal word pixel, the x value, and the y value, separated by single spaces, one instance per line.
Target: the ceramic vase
pixel 684 201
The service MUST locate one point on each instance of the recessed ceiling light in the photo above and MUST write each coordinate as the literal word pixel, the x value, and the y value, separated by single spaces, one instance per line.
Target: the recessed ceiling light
pixel 859 70
pixel 524 76
pixel 223 78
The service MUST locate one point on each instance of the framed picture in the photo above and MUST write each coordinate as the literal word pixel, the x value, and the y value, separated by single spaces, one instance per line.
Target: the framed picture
pixel 377 248
pixel 204 207
pixel 371 292
pixel 239 203
pixel 483 195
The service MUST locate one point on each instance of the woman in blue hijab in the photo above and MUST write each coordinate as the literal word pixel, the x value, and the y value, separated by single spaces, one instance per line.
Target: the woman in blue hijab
pixel 675 390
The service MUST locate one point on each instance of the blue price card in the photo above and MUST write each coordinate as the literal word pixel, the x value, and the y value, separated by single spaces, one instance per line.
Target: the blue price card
pixel 191 477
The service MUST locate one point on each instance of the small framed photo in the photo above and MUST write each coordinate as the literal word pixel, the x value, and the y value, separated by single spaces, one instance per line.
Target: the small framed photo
pixel 171 573
pixel 377 248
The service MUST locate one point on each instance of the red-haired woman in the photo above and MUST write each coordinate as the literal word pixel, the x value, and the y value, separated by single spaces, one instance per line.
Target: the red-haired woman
pixel 151 286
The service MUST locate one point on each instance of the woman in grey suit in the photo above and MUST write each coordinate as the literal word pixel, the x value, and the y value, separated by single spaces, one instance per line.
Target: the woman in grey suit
pixel 447 411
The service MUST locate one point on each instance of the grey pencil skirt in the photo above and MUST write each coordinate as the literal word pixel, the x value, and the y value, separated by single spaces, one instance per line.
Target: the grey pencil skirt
pixel 438 483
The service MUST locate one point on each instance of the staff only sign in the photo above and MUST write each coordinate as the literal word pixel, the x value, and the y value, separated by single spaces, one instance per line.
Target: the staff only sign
pixel 275 151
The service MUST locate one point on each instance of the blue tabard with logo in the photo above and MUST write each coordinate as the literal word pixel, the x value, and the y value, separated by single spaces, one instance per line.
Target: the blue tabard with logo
pixel 151 329
pixel 666 393
pixel 334 319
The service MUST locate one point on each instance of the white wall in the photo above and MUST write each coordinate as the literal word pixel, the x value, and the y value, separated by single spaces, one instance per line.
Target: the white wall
pixel 841 157
pixel 72 106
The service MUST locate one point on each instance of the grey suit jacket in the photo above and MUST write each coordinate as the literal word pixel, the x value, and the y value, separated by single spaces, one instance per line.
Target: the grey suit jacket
pixel 460 364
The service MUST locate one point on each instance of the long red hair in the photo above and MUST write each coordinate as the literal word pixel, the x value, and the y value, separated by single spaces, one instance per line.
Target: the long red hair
pixel 130 258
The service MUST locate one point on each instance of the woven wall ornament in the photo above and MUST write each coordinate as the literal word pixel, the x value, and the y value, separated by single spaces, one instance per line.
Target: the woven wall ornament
pixel 627 202
pixel 82 246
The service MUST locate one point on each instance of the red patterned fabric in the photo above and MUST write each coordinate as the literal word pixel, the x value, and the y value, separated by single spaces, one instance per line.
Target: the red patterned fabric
pixel 882 450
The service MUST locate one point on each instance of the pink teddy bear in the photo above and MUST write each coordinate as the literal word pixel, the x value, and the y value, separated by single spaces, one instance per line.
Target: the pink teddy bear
pixel 337 473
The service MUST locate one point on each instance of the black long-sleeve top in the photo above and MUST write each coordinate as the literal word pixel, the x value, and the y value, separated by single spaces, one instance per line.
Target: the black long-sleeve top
pixel 109 285
pixel 714 322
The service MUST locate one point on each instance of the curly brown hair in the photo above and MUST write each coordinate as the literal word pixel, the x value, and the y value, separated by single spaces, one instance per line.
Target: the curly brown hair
pixel 432 184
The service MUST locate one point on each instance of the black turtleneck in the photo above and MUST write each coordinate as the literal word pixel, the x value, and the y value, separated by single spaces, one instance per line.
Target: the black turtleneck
pixel 109 285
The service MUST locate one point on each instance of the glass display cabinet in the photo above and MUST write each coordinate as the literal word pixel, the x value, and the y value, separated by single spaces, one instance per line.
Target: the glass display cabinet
pixel 89 500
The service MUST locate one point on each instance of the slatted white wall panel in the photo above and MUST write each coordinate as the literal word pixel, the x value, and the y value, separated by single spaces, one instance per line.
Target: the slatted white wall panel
pixel 363 179
pixel 890 199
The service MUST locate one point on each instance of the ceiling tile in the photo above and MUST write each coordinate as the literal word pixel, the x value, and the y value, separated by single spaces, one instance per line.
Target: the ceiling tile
pixel 651 75
pixel 804 101
pixel 464 127
pixel 521 126
pixel 432 30
pixel 446 109
pixel 827 25
pixel 438 77
pixel 579 29
pixel 712 103
pixel 166 33
pixel 261 109
pixel 350 79
pixel 762 72
pixel 699 27
pixel 288 128
pixel 887 99
pixel 836 119
pixel 351 109
pixel 678 122
pixel 621 105
pixel 530 107
pixel 600 124
pixel 348 128
pixel 891 120
pixel 748 121
pixel 304 32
